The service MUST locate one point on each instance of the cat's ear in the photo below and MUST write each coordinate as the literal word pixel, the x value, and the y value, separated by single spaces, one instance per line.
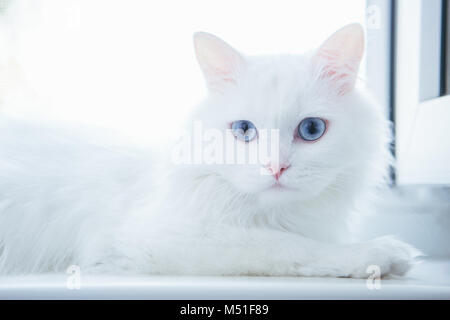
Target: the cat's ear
pixel 220 63
pixel 339 57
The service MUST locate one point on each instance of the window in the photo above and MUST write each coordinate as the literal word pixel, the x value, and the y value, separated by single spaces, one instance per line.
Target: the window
pixel 422 108
pixel 408 70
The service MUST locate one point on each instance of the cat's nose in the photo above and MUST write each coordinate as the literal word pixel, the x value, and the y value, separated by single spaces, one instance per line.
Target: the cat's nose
pixel 278 170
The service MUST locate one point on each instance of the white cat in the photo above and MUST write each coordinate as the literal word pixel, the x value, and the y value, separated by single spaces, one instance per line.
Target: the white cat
pixel 66 200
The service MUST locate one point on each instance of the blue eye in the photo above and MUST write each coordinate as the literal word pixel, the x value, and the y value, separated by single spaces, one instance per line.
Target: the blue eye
pixel 311 129
pixel 244 130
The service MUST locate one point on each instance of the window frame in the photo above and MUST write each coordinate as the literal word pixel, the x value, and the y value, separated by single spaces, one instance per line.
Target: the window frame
pixel 422 146
pixel 380 23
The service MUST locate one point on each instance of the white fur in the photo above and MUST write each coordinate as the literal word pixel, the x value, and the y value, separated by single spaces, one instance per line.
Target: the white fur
pixel 66 200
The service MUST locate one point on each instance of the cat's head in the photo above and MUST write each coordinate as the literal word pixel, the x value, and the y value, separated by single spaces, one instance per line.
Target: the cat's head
pixel 328 132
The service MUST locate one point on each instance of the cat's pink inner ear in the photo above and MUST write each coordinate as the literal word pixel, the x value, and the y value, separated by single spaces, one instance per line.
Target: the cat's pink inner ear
pixel 339 57
pixel 220 63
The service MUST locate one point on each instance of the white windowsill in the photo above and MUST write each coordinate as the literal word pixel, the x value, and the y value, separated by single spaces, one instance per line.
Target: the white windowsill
pixel 428 280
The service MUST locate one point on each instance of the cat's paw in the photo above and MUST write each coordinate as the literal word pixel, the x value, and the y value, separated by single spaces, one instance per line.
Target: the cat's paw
pixel 387 254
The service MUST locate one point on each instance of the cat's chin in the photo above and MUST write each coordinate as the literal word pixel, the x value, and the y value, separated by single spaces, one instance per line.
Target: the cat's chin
pixel 278 193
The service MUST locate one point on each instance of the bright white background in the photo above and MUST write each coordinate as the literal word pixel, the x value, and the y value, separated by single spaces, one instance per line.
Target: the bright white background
pixel 130 64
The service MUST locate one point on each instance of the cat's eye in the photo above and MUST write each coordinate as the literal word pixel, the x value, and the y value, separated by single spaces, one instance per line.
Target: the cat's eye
pixel 311 129
pixel 244 130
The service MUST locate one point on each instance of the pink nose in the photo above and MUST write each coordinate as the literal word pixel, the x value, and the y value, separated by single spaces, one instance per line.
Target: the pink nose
pixel 277 171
